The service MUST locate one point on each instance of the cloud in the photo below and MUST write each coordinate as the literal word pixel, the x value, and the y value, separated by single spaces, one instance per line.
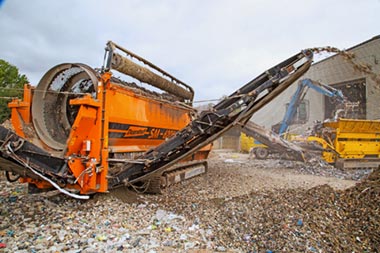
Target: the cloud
pixel 215 46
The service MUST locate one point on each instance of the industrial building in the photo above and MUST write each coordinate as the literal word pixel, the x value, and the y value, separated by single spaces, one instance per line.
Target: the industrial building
pixel 358 78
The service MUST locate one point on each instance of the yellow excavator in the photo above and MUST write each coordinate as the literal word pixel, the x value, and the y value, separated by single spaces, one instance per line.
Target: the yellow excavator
pixel 343 142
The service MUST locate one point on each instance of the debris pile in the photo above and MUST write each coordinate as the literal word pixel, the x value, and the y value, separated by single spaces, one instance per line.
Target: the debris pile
pixel 320 219
pixel 60 224
pixel 239 206
pixel 327 170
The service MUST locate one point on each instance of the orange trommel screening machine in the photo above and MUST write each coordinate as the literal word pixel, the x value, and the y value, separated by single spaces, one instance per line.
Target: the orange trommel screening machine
pixel 97 122
pixel 82 130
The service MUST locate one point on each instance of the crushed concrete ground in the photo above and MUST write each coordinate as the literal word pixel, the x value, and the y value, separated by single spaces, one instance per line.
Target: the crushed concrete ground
pixel 240 205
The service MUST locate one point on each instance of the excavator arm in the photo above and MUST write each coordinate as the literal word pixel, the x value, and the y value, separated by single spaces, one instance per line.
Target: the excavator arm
pixel 276 141
pixel 299 95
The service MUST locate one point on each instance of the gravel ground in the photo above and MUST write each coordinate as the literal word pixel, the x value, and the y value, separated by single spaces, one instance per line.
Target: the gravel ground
pixel 240 205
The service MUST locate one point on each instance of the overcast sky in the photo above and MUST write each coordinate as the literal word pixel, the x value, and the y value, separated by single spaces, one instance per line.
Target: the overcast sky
pixel 214 46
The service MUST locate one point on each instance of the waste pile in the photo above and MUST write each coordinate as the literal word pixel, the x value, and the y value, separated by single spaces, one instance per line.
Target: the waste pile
pixel 327 170
pixel 217 212
pixel 319 219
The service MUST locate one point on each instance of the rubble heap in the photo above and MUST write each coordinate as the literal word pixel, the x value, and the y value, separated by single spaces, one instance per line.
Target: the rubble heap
pixel 217 212
pixel 297 220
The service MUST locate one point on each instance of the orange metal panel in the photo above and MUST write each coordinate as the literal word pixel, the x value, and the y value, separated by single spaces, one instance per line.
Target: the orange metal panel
pixel 139 121
pixel 20 111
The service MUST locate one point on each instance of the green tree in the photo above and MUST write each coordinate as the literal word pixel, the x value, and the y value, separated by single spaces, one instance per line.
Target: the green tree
pixel 11 85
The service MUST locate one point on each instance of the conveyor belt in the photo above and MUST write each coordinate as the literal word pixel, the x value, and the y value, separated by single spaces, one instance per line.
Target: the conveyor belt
pixel 209 125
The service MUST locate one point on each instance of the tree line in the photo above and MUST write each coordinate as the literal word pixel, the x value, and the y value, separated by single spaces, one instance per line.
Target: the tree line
pixel 11 86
